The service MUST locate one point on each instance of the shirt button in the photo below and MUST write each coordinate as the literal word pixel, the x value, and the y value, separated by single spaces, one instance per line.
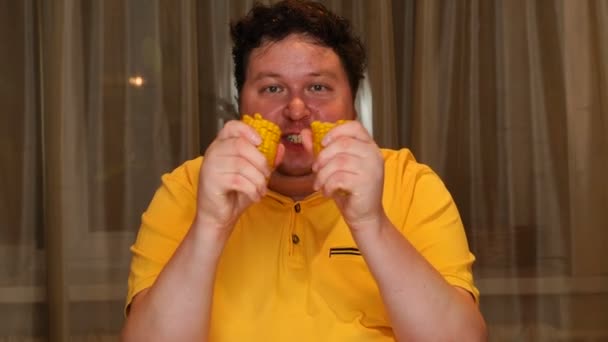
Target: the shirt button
pixel 297 207
pixel 295 239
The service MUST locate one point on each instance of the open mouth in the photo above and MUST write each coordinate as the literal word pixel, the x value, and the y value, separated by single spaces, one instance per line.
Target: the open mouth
pixel 294 138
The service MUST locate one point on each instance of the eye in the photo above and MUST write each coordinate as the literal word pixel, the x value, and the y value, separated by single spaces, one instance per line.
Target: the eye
pixel 273 89
pixel 318 87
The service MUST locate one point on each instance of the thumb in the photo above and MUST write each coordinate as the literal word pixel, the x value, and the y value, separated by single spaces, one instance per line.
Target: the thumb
pixel 280 154
pixel 306 135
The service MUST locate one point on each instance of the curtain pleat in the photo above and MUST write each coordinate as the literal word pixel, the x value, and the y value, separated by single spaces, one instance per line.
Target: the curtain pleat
pixel 584 39
pixel 53 110
pixel 509 107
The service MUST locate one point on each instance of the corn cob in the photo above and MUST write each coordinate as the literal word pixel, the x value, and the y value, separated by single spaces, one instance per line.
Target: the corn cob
pixel 270 134
pixel 319 129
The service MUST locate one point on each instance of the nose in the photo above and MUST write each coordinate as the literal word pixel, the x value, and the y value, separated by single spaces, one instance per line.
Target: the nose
pixel 296 109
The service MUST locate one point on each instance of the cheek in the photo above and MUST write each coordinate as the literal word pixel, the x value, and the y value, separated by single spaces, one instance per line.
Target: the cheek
pixel 246 101
pixel 333 110
pixel 251 102
pixel 270 111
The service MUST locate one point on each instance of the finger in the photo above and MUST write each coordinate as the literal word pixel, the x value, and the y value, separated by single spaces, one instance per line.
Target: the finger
pixel 240 165
pixel 306 135
pixel 343 145
pixel 241 147
pixel 340 183
pixel 340 163
pixel 353 129
pixel 237 128
pixel 240 184
pixel 280 154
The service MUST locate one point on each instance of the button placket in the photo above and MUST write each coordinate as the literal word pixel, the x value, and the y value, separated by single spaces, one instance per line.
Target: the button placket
pixel 295 239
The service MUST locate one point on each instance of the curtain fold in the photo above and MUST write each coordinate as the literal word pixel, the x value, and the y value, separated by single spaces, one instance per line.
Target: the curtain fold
pixel 22 253
pixel 381 68
pixel 586 67
pixel 509 107
pixel 53 109
pixel 117 107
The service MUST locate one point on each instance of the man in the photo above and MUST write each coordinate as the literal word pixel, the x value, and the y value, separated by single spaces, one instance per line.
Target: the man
pixel 355 244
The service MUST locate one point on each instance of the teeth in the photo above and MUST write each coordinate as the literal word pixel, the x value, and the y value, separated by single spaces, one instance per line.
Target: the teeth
pixel 294 138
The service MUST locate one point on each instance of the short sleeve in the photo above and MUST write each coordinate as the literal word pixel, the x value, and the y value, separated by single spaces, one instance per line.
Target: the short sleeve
pixel 434 227
pixel 163 226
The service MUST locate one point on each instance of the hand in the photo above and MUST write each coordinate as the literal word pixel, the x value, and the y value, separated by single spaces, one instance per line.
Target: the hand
pixel 350 169
pixel 233 175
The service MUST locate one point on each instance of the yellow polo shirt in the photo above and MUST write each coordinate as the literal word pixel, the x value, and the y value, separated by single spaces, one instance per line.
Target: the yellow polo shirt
pixel 291 270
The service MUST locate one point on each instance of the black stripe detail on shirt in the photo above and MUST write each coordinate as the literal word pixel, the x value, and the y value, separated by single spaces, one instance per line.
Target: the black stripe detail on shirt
pixel 344 251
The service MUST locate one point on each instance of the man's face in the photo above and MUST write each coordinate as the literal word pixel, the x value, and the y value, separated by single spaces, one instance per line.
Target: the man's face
pixel 293 82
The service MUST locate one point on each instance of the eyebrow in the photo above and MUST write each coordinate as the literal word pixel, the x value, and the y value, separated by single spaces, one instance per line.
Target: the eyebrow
pixel 270 74
pixel 327 73
pixel 266 74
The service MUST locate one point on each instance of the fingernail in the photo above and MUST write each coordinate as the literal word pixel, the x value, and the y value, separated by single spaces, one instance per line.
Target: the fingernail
pixel 326 140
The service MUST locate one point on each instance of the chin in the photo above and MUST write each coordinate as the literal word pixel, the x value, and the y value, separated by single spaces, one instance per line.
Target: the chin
pixel 295 165
pixel 294 171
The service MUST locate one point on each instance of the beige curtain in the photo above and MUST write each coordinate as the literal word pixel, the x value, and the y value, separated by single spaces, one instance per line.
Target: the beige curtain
pixel 99 98
pixel 506 100
pixel 508 104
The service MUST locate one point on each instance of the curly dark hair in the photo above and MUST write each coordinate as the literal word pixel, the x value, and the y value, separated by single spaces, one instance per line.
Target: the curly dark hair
pixel 275 22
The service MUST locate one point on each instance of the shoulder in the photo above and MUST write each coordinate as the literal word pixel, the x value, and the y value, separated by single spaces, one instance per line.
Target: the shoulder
pixel 409 184
pixel 402 167
pixel 186 175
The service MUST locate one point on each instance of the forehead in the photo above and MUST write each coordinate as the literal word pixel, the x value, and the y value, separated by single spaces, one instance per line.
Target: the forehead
pixel 294 53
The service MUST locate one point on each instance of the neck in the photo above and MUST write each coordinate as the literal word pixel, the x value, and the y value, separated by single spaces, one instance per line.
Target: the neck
pixel 295 187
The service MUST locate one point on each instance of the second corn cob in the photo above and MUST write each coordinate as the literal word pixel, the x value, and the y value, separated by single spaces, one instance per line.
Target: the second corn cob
pixel 319 129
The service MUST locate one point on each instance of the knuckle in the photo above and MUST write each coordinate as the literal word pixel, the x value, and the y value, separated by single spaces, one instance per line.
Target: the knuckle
pixel 241 163
pixel 210 149
pixel 345 143
pixel 343 160
pixel 231 125
pixel 344 179
pixel 236 181
pixel 240 144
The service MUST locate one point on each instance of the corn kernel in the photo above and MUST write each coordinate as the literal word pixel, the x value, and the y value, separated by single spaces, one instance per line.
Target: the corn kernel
pixel 270 134
pixel 319 129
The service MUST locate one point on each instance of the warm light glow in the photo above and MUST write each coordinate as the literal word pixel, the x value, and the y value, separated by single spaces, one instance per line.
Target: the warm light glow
pixel 136 81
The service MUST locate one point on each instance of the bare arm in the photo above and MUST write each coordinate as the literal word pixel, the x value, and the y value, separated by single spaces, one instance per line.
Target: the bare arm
pixel 421 305
pixel 178 305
